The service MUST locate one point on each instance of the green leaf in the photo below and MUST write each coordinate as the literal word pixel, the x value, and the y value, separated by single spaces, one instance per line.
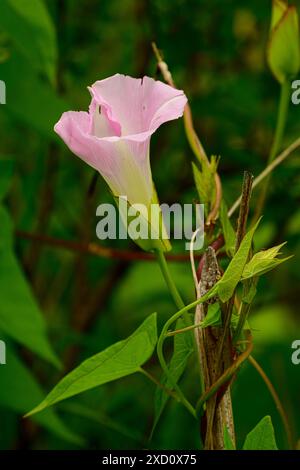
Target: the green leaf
pixel 20 317
pixel 6 171
pixel 183 348
pixel 34 103
pixel 213 316
pixel 228 444
pixel 229 234
pixel 263 261
pixel 233 273
pixel 283 52
pixel 31 29
pixel 262 437
pixel 19 391
pixel 117 361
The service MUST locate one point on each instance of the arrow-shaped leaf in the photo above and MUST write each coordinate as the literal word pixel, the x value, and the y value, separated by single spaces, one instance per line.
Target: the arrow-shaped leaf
pixel 123 358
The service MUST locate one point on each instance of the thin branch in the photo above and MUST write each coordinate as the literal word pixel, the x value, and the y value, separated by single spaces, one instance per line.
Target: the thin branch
pixel 183 330
pixel 267 171
pixel 98 250
pixel 191 135
pixel 218 199
pixel 187 115
pixel 161 259
pixel 276 144
pixel 244 208
pixel 276 399
pixel 163 67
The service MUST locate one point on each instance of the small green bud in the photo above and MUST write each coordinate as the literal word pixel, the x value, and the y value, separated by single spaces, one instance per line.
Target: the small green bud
pixel 283 53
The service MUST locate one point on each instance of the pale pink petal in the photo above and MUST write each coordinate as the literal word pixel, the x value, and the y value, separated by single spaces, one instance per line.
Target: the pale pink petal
pixel 114 137
pixel 138 105
pixel 127 169
pixel 123 163
pixel 74 127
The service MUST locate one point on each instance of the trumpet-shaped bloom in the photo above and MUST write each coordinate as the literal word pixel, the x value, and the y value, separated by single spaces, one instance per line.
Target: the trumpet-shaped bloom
pixel 114 136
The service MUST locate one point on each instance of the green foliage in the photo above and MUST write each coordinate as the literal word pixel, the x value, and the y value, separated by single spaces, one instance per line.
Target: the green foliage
pixel 263 261
pixel 227 440
pixel 87 303
pixel 31 29
pixel 21 398
pixel 262 437
pixel 233 273
pixel 34 103
pixel 100 418
pixel 20 317
pixel 119 360
pixel 213 316
pixel 183 348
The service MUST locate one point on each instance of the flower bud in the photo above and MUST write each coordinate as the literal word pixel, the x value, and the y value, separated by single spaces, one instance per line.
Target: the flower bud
pixel 283 54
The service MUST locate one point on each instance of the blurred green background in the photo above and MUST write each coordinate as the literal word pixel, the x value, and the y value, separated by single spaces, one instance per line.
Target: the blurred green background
pixel 59 303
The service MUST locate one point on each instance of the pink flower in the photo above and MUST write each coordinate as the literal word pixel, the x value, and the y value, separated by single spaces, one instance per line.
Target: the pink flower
pixel 114 136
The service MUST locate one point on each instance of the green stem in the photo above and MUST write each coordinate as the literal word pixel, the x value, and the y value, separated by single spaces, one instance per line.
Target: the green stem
pixel 164 365
pixel 180 305
pixel 281 119
pixel 169 280
pixel 183 311
pixel 190 306
pixel 184 330
pixel 160 344
pixel 279 131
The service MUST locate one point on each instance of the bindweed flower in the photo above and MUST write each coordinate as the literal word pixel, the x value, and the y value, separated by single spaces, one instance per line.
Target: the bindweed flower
pixel 114 136
pixel 283 53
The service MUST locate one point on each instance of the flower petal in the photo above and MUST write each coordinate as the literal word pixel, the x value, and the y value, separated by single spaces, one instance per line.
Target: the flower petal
pixel 73 127
pixel 123 163
pixel 101 125
pixel 129 172
pixel 138 105
pixel 116 142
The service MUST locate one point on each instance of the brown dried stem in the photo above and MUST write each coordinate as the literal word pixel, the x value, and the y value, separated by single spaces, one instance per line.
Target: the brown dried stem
pixel 96 249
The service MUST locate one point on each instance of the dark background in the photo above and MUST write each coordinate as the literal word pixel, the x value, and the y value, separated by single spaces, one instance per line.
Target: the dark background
pixel 216 52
